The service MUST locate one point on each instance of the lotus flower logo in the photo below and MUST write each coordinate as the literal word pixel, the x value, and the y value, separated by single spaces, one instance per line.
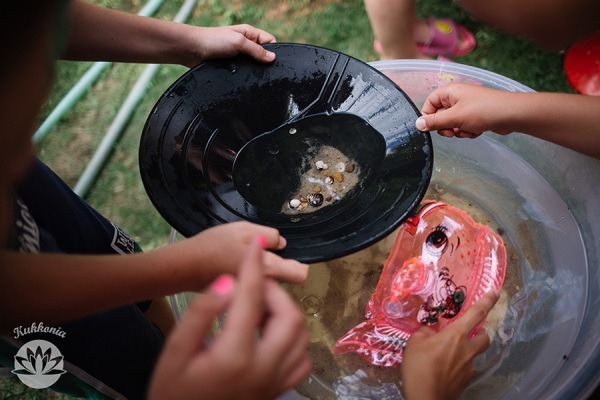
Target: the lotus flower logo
pixel 38 364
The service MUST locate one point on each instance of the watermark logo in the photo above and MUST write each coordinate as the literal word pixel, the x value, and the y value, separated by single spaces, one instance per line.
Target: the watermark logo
pixel 39 364
pixel 38 328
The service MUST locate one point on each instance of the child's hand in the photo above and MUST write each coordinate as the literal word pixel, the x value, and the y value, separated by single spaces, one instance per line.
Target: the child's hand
pixel 464 111
pixel 440 365
pixel 222 248
pixel 229 41
pixel 260 353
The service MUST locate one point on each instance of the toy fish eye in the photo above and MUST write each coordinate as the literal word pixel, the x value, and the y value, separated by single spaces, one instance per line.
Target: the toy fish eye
pixel 437 240
pixel 458 297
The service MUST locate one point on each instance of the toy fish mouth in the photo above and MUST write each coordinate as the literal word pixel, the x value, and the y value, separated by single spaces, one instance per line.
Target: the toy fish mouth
pixel 413 277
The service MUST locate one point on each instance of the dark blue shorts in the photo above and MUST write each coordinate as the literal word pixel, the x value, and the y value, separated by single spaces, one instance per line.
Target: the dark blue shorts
pixel 118 347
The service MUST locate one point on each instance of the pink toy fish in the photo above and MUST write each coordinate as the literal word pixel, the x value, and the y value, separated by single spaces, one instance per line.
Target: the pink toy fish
pixel 441 262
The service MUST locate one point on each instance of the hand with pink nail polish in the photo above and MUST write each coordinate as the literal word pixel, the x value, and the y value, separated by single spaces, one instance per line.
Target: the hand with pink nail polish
pixel 260 352
pixel 221 249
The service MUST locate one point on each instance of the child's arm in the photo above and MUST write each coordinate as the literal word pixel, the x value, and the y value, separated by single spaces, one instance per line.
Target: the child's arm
pixel 98 33
pixel 58 287
pixel 569 120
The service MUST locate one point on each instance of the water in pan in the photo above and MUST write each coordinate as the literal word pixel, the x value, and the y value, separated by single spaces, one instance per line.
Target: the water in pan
pixel 330 177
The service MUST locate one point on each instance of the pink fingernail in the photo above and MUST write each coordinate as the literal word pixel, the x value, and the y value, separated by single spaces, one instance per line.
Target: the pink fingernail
pixel 262 241
pixel 223 285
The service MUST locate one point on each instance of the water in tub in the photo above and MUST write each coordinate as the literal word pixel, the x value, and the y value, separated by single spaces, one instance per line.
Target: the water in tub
pixel 543 289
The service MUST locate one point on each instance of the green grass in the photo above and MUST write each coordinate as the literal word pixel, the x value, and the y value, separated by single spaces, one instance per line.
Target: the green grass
pixel 504 54
pixel 337 24
pixel 12 389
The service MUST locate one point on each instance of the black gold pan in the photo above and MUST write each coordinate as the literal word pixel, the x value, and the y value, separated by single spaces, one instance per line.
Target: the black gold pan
pixel 234 139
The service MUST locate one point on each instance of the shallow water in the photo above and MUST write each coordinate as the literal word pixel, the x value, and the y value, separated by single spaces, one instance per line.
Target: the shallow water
pixel 334 300
pixel 537 318
pixel 533 326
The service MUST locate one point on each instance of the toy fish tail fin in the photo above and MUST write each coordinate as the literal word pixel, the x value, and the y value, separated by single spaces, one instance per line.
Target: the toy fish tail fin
pixel 376 341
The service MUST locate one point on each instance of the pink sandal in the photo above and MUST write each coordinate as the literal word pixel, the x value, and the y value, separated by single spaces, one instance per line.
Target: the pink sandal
pixel 447 38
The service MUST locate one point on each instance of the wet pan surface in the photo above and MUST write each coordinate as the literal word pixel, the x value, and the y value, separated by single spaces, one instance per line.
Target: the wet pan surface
pixel 231 139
